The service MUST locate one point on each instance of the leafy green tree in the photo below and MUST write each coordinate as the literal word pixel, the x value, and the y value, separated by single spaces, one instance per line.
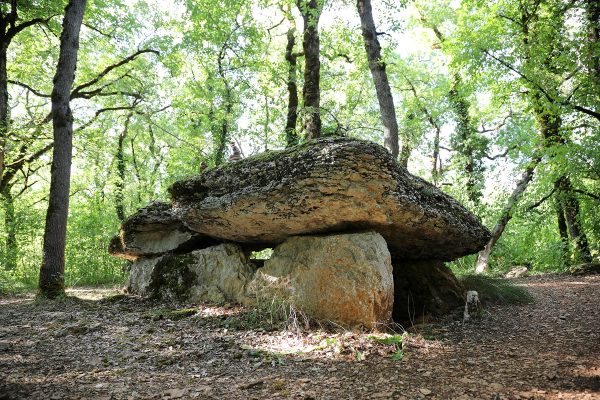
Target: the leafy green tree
pixel 53 263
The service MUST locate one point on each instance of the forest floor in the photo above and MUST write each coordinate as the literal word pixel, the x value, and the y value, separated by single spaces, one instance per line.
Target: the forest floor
pixel 95 345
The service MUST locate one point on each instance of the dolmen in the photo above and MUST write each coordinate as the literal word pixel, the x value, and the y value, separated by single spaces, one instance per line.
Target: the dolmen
pixel 356 239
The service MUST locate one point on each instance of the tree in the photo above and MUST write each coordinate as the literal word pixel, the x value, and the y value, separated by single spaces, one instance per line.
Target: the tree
pixel 291 136
pixel 380 78
pixel 534 48
pixel 51 283
pixel 483 257
pixel 11 24
pixel 311 92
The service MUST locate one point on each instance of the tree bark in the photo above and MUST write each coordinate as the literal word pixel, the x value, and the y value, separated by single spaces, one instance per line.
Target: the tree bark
pixel 291 137
pixel 3 104
pixel 562 226
pixel 11 247
pixel 435 172
pixel 51 283
pixel 405 155
pixel 223 131
pixel 465 132
pixel 380 78
pixel 463 141
pixel 550 128
pixel 311 93
pixel 593 17
pixel 572 220
pixel 120 184
pixel 505 216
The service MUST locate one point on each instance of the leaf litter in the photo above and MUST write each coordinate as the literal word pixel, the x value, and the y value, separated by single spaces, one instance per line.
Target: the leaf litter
pixel 102 345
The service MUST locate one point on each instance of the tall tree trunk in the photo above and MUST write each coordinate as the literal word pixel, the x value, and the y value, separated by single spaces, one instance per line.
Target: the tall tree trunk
pixel 593 17
pixel 562 226
pixel 52 280
pixel 550 128
pixel 464 141
pixel 291 137
pixel 572 220
pixel 435 172
pixel 380 78
pixel 311 92
pixel 10 223
pixel 405 154
pixel 120 184
pixel 223 132
pixel 3 103
pixel 505 216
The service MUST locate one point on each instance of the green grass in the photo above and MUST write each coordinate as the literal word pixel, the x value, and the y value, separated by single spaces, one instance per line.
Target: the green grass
pixel 496 290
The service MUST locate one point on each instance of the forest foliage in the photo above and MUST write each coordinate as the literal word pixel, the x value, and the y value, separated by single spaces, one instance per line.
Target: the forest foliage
pixel 497 103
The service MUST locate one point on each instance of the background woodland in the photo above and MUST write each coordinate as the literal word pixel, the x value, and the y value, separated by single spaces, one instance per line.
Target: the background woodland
pixel 497 103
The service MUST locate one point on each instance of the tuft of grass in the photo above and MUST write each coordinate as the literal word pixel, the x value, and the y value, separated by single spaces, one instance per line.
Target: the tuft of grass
pixel 496 290
pixel 391 340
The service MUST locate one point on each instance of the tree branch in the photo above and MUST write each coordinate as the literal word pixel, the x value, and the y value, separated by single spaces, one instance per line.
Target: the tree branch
pixel 540 201
pixel 15 29
pixel 593 196
pixel 77 92
pixel 551 99
pixel 501 155
pixel 32 90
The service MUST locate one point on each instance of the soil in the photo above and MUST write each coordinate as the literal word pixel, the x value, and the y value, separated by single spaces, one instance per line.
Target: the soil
pixel 95 345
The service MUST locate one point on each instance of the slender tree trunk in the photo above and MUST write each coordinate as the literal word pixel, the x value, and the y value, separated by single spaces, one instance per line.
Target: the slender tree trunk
pixel 266 124
pixel 562 227
pixel 223 132
pixel 405 154
pixel 505 216
pixel 120 184
pixel 10 222
pixel 136 169
pixel 311 93
pixel 435 172
pixel 464 141
pixel 3 103
pixel 380 78
pixel 52 280
pixel 593 17
pixel 572 220
pixel 550 128
pixel 291 136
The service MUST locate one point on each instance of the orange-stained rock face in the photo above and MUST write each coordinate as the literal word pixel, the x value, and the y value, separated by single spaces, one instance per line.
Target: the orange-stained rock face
pixel 343 278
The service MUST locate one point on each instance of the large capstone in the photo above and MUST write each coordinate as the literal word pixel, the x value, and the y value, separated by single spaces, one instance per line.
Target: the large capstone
pixel 344 278
pixel 216 274
pixel 327 186
pixel 155 230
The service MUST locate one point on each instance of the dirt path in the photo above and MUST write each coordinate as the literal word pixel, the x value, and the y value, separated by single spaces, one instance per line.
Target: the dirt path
pixel 117 349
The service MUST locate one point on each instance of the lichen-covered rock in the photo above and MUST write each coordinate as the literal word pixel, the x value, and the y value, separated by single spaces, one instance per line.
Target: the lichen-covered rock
pixel 155 230
pixel 343 278
pixel 424 287
pixel 218 274
pixel 327 186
